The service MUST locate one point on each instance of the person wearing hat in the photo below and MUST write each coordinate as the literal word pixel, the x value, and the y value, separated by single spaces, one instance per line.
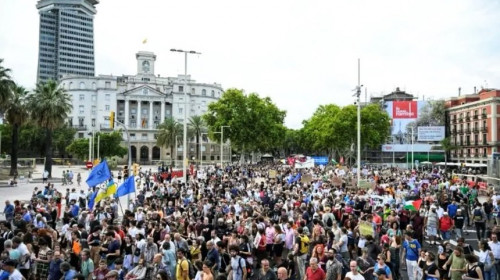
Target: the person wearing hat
pixel 10 267
pixel 459 222
pixel 431 221
pixel 445 226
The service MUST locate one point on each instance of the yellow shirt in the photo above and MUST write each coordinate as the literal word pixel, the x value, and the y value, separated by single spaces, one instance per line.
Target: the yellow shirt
pixel 183 264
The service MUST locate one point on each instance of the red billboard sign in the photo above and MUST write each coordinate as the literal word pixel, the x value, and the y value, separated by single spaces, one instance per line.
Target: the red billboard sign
pixel 404 110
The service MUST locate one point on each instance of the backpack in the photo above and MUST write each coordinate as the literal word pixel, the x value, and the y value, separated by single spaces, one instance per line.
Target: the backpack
pixel 478 215
pixel 304 244
pixel 191 270
pixel 329 221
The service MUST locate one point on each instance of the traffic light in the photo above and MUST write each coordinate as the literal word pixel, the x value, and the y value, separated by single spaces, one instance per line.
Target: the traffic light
pixel 125 172
pixel 112 119
pixel 135 169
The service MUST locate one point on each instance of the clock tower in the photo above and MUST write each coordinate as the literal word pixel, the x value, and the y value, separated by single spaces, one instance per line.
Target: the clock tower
pixel 145 63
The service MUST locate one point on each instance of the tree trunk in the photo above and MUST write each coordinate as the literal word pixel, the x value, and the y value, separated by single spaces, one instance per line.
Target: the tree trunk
pixel 48 152
pixel 14 149
pixel 198 156
pixel 171 155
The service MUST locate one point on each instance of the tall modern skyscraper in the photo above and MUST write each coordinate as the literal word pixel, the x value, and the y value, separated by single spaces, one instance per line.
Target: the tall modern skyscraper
pixel 66 44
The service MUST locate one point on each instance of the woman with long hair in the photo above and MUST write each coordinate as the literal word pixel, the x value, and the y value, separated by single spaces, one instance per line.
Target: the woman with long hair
pixel 395 257
pixel 486 257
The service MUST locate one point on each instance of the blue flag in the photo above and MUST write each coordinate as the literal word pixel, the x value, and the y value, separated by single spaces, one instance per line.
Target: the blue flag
pixel 99 174
pixel 92 199
pixel 126 187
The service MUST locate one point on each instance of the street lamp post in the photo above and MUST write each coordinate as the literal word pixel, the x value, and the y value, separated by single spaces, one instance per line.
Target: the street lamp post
pixel 358 95
pixel 222 143
pixel 184 150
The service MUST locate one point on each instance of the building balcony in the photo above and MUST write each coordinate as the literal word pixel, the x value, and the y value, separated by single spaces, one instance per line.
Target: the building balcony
pixel 105 127
pixel 475 117
pixel 80 127
pixel 468 155
pixel 467 119
pixel 484 116
pixel 476 143
pixel 485 143
pixel 484 155
pixel 475 129
pixel 453 131
pixel 484 129
pixel 460 120
pixel 476 155
pixel 454 120
pixel 467 130
pixel 459 131
pixel 467 143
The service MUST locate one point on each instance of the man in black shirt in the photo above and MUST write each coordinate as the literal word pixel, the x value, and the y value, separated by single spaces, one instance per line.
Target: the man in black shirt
pixel 459 220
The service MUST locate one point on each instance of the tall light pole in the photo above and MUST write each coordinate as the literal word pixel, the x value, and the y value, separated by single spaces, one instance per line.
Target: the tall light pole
pixel 358 96
pixel 184 147
pixel 222 143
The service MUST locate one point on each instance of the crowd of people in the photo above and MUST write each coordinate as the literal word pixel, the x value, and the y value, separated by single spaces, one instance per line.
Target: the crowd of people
pixel 262 222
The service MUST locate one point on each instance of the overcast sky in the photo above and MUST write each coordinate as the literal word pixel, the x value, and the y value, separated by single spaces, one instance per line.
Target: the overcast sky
pixel 299 53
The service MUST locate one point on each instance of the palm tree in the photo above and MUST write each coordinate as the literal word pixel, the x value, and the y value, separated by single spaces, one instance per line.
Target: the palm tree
pixel 168 131
pixel 16 114
pixel 5 86
pixel 197 125
pixel 49 106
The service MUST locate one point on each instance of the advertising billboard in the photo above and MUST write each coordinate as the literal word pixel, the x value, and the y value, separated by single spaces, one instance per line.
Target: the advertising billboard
pixel 406 115
pixel 430 133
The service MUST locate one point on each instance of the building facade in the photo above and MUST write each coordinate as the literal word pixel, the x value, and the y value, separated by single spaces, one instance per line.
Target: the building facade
pixel 473 126
pixel 141 102
pixel 66 39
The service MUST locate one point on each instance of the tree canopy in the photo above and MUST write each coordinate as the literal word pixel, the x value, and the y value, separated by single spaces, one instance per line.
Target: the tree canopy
pixel 109 146
pixel 255 123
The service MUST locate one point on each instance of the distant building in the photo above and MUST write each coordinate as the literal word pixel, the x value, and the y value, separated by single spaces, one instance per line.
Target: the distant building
pixel 472 120
pixel 142 102
pixel 66 40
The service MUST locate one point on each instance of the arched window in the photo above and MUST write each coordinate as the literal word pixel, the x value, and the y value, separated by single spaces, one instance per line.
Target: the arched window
pixel 94 86
pixel 203 92
pixel 71 85
pixel 82 85
pixel 213 93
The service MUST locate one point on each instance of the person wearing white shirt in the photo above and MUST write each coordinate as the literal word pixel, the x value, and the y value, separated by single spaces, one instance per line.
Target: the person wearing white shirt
pixel 495 249
pixel 353 274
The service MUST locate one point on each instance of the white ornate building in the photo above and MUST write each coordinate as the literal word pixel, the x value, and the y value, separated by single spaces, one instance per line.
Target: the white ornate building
pixel 141 102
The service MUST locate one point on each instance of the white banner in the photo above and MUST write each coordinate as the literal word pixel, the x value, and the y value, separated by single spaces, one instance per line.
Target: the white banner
pixel 407 148
pixel 430 133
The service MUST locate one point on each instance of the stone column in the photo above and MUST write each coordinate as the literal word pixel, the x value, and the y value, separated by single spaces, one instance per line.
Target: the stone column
pixel 127 116
pixel 162 114
pixel 151 123
pixel 139 114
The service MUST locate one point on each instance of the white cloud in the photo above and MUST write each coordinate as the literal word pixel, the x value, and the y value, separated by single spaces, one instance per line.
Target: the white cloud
pixel 299 53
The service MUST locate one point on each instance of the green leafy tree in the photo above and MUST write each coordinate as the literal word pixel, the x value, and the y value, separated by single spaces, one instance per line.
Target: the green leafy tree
pixel 447 146
pixel 50 105
pixel 109 146
pixel 256 124
pixel 319 132
pixel 16 114
pixel 79 148
pixel 63 137
pixel 168 131
pixel 197 126
pixel 31 140
pixel 6 84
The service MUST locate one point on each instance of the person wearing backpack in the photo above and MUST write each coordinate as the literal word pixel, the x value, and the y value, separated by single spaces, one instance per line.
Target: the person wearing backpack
pixel 479 218
pixel 238 265
pixel 300 251
pixel 328 218
pixel 473 269
pixel 182 268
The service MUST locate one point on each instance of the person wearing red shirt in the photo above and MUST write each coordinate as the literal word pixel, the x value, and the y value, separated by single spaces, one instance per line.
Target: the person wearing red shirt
pixel 445 225
pixel 314 272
